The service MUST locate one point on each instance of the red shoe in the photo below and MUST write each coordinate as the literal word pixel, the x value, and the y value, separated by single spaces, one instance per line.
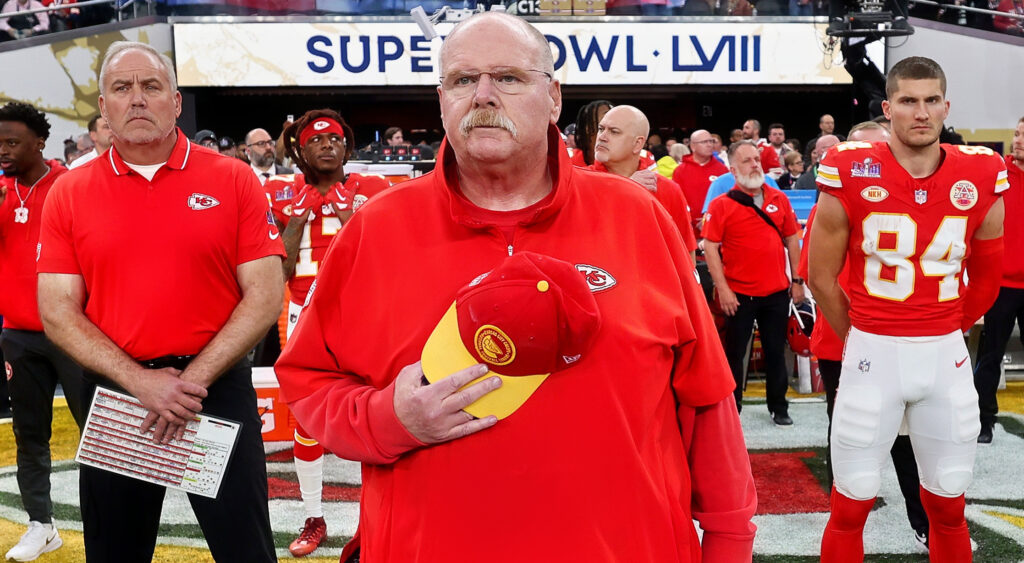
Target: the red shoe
pixel 313 533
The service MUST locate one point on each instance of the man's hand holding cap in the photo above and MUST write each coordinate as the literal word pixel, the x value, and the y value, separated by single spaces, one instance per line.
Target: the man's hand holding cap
pixel 531 316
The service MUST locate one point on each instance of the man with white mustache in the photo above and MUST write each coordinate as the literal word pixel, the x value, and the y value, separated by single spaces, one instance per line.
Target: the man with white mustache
pixel 747 236
pixel 572 460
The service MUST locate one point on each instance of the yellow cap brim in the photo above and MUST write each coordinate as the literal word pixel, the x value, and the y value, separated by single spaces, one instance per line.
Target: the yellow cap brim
pixel 445 354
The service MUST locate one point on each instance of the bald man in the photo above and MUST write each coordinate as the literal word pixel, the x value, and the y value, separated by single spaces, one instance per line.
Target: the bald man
pixel 826 126
pixel 621 135
pixel 697 170
pixel 806 180
pixel 260 147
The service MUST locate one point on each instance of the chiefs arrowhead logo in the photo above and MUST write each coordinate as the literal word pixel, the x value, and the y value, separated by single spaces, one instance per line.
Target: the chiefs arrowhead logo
pixel 597 279
pixel 202 201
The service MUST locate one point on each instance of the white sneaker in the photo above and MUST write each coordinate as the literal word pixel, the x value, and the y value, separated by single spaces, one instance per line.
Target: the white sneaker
pixel 39 539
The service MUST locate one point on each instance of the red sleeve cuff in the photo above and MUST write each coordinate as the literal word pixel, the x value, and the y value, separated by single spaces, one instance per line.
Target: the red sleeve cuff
pixel 393 438
pixel 726 548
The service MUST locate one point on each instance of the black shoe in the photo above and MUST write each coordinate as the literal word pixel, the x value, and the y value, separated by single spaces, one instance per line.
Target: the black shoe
pixel 5 414
pixel 985 436
pixel 781 419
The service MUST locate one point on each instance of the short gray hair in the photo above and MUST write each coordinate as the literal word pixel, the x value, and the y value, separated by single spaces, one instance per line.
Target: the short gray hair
pixel 119 47
pixel 678 151
pixel 735 146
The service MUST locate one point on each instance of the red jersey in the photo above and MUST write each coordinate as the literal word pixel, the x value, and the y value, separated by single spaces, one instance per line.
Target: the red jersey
pixel 671 197
pixel 694 180
pixel 1013 227
pixel 158 258
pixel 19 236
pixel 753 255
pixel 289 192
pixel 617 422
pixel 910 236
pixel 825 343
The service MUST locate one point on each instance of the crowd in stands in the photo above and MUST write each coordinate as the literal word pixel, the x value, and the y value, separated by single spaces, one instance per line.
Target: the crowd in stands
pixel 71 17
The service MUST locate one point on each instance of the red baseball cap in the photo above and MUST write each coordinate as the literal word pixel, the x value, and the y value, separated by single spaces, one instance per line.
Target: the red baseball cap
pixel 529 317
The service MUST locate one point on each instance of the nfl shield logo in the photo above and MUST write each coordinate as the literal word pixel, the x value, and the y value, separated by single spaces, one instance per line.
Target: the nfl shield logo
pixel 920 196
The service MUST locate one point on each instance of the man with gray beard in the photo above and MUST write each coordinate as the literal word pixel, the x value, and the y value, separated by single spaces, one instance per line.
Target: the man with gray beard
pixel 747 236
pixel 260 147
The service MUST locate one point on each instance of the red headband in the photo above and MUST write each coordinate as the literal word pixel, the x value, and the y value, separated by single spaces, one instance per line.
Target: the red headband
pixel 318 126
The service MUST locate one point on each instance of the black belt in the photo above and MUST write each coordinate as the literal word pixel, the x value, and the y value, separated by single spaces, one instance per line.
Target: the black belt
pixel 176 362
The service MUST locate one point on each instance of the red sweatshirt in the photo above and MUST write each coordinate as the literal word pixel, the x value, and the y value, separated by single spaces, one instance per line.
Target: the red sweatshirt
pixel 695 178
pixel 671 197
pixel 607 461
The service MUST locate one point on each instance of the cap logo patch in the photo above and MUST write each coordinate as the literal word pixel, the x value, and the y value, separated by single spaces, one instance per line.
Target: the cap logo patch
pixel 963 195
pixel 199 201
pixel 494 346
pixel 874 194
pixel 321 125
pixel 597 279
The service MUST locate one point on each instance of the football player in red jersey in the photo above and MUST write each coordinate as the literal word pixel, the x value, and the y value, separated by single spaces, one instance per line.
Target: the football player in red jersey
pixel 314 206
pixel 909 215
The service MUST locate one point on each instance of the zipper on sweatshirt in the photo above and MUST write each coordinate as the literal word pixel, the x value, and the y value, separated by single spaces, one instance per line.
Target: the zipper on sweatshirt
pixel 510 249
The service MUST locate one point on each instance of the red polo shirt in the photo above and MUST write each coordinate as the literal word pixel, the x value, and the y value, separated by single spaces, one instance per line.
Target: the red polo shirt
pixel 695 178
pixel 18 303
pixel 1013 227
pixel 670 196
pixel 158 258
pixel 752 252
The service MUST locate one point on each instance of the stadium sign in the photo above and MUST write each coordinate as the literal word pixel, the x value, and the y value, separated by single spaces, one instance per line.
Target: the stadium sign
pixel 585 53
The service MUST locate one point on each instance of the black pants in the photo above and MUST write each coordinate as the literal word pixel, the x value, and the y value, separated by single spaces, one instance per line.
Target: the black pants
pixel 121 515
pixel 36 368
pixel 771 313
pixel 902 452
pixel 1008 309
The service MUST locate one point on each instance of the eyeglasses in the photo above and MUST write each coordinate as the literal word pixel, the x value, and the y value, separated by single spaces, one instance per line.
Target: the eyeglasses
pixel 507 80
pixel 704 142
pixel 262 144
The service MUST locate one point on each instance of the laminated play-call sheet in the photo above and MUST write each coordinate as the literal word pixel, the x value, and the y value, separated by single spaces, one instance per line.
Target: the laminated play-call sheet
pixel 113 441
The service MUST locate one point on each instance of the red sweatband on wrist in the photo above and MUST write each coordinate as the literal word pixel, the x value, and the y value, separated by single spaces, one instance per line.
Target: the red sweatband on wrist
pixel 320 126
pixel 984 274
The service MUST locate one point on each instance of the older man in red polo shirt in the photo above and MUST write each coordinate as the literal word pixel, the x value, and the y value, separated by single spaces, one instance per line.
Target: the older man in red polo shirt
pixel 747 236
pixel 159 269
